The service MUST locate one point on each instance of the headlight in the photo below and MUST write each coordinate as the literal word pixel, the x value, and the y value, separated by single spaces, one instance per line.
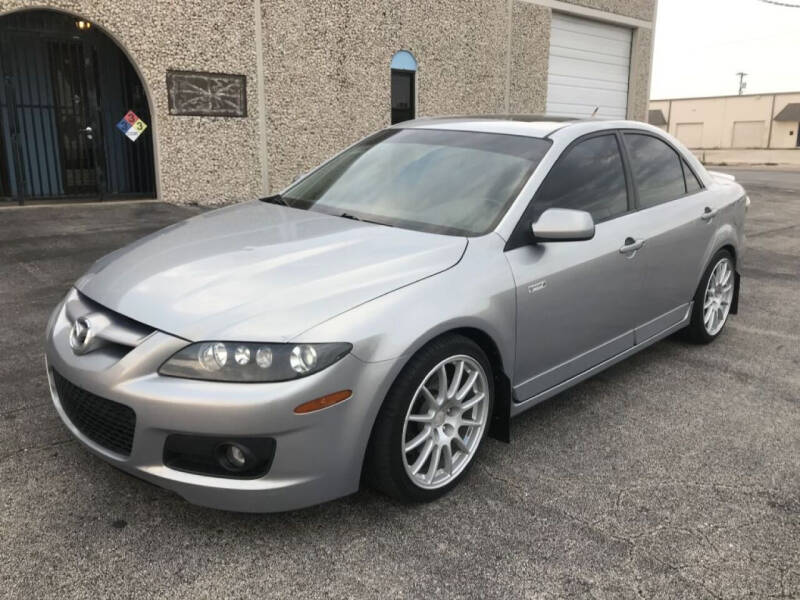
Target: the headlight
pixel 249 362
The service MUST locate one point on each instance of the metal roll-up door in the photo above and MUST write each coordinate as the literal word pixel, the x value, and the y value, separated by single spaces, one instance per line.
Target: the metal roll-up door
pixel 589 67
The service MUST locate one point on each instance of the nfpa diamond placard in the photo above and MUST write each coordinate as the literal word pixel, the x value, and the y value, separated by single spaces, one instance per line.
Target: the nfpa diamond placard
pixel 131 125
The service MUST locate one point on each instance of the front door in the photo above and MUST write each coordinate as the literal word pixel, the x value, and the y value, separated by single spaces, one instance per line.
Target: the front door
pixel 578 303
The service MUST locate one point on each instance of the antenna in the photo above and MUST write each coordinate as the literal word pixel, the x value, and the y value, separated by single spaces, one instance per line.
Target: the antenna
pixel 594 112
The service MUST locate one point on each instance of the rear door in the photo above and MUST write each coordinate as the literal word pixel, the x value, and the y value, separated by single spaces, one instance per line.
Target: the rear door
pixel 676 216
pixel 577 302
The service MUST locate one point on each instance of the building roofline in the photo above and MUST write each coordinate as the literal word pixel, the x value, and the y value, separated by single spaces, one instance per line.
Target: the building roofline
pixel 724 96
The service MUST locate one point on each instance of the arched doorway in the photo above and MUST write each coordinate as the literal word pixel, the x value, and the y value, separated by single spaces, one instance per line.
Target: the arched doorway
pixel 64 88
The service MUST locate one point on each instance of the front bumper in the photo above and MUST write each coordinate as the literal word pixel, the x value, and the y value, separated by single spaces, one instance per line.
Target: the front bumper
pixel 318 456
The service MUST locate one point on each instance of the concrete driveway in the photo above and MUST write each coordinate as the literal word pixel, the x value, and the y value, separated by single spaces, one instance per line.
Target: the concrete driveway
pixel 675 474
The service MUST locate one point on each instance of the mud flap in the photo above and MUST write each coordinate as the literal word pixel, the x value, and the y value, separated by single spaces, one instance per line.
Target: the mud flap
pixel 735 302
pixel 500 425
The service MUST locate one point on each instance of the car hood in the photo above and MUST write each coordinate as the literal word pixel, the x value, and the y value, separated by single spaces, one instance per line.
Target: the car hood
pixel 261 272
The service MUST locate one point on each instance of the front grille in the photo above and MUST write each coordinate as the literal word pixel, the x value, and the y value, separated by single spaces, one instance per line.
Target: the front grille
pixel 105 422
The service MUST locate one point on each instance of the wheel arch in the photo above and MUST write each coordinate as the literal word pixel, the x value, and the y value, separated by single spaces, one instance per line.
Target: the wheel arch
pixel 736 277
pixel 730 248
pixel 725 238
pixel 499 425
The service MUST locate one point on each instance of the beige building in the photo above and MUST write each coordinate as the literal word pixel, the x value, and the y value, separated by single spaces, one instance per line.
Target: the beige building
pixel 747 128
pixel 229 99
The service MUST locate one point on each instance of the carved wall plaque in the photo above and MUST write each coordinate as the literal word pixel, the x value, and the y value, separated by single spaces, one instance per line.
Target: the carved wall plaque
pixel 207 94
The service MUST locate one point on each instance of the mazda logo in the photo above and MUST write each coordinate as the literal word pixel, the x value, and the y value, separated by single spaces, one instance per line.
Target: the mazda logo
pixel 80 336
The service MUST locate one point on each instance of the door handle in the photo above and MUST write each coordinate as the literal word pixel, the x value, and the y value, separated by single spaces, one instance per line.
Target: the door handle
pixel 631 245
pixel 708 214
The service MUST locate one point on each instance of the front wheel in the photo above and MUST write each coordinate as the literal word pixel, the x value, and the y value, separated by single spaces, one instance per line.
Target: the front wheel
pixel 432 421
pixel 713 299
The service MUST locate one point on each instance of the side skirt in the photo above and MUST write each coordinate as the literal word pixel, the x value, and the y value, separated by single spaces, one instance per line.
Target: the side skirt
pixel 517 408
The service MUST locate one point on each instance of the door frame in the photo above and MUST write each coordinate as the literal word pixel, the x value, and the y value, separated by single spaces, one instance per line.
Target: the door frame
pixel 15 161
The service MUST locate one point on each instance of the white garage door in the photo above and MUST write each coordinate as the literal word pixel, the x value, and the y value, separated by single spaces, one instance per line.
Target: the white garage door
pixel 589 67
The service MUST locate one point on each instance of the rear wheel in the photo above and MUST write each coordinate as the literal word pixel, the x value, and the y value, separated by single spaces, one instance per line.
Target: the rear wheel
pixel 432 421
pixel 713 299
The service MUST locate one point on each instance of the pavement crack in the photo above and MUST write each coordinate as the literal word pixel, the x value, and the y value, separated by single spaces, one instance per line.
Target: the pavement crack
pixel 15 453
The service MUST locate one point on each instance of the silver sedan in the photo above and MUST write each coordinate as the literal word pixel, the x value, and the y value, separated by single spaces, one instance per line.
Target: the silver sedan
pixel 390 309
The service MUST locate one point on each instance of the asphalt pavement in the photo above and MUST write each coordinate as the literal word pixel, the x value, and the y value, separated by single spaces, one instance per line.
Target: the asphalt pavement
pixel 675 474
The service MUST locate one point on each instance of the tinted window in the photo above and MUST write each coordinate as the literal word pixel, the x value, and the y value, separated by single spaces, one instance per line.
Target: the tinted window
pixel 588 177
pixel 692 183
pixel 656 170
pixel 455 182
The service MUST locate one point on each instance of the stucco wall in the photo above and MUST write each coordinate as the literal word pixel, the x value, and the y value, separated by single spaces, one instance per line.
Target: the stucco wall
pixel 327 77
pixel 326 74
pixel 638 9
pixel 641 63
pixel 198 159
pixel 530 48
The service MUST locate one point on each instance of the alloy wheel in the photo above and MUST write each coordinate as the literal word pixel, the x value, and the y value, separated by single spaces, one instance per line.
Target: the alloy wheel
pixel 445 422
pixel 718 296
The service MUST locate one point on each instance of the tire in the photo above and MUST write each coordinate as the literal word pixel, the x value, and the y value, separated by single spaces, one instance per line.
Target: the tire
pixel 389 468
pixel 701 329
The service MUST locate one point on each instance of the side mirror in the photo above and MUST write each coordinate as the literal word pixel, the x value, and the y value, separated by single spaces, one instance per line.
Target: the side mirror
pixel 563 225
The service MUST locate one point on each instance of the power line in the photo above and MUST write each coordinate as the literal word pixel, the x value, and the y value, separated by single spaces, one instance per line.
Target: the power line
pixel 783 4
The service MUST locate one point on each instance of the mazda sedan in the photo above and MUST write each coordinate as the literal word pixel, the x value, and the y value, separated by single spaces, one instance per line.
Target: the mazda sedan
pixel 393 307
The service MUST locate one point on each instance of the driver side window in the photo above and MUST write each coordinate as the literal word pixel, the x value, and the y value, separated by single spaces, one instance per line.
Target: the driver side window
pixel 590 177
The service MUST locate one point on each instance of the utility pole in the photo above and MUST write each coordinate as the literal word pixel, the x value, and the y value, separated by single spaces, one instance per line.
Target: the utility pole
pixel 742 82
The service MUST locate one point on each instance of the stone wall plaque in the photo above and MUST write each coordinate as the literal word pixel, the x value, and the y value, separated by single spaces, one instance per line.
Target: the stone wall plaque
pixel 200 94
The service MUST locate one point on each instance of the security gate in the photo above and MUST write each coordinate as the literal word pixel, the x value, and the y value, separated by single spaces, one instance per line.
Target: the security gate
pixel 65 86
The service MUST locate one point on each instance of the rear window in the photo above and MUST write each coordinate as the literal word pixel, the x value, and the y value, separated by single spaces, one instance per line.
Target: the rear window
pixel 693 184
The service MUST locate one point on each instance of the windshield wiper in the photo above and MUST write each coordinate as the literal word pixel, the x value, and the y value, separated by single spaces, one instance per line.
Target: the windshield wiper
pixel 355 218
pixel 275 199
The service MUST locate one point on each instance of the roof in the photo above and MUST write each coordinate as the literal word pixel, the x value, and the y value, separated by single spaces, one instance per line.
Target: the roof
pixel 790 112
pixel 656 117
pixel 753 95
pixel 531 125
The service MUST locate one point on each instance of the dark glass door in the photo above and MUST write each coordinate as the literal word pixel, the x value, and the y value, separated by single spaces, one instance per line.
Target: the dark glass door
pixel 402 96
pixel 64 90
pixel 74 108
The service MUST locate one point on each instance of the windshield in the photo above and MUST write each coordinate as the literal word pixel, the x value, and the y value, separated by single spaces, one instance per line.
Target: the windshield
pixel 454 182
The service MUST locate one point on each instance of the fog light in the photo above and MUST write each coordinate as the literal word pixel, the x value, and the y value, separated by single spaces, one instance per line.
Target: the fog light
pixel 233 457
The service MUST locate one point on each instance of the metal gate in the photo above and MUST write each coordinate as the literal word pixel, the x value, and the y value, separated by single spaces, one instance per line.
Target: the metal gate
pixel 65 85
